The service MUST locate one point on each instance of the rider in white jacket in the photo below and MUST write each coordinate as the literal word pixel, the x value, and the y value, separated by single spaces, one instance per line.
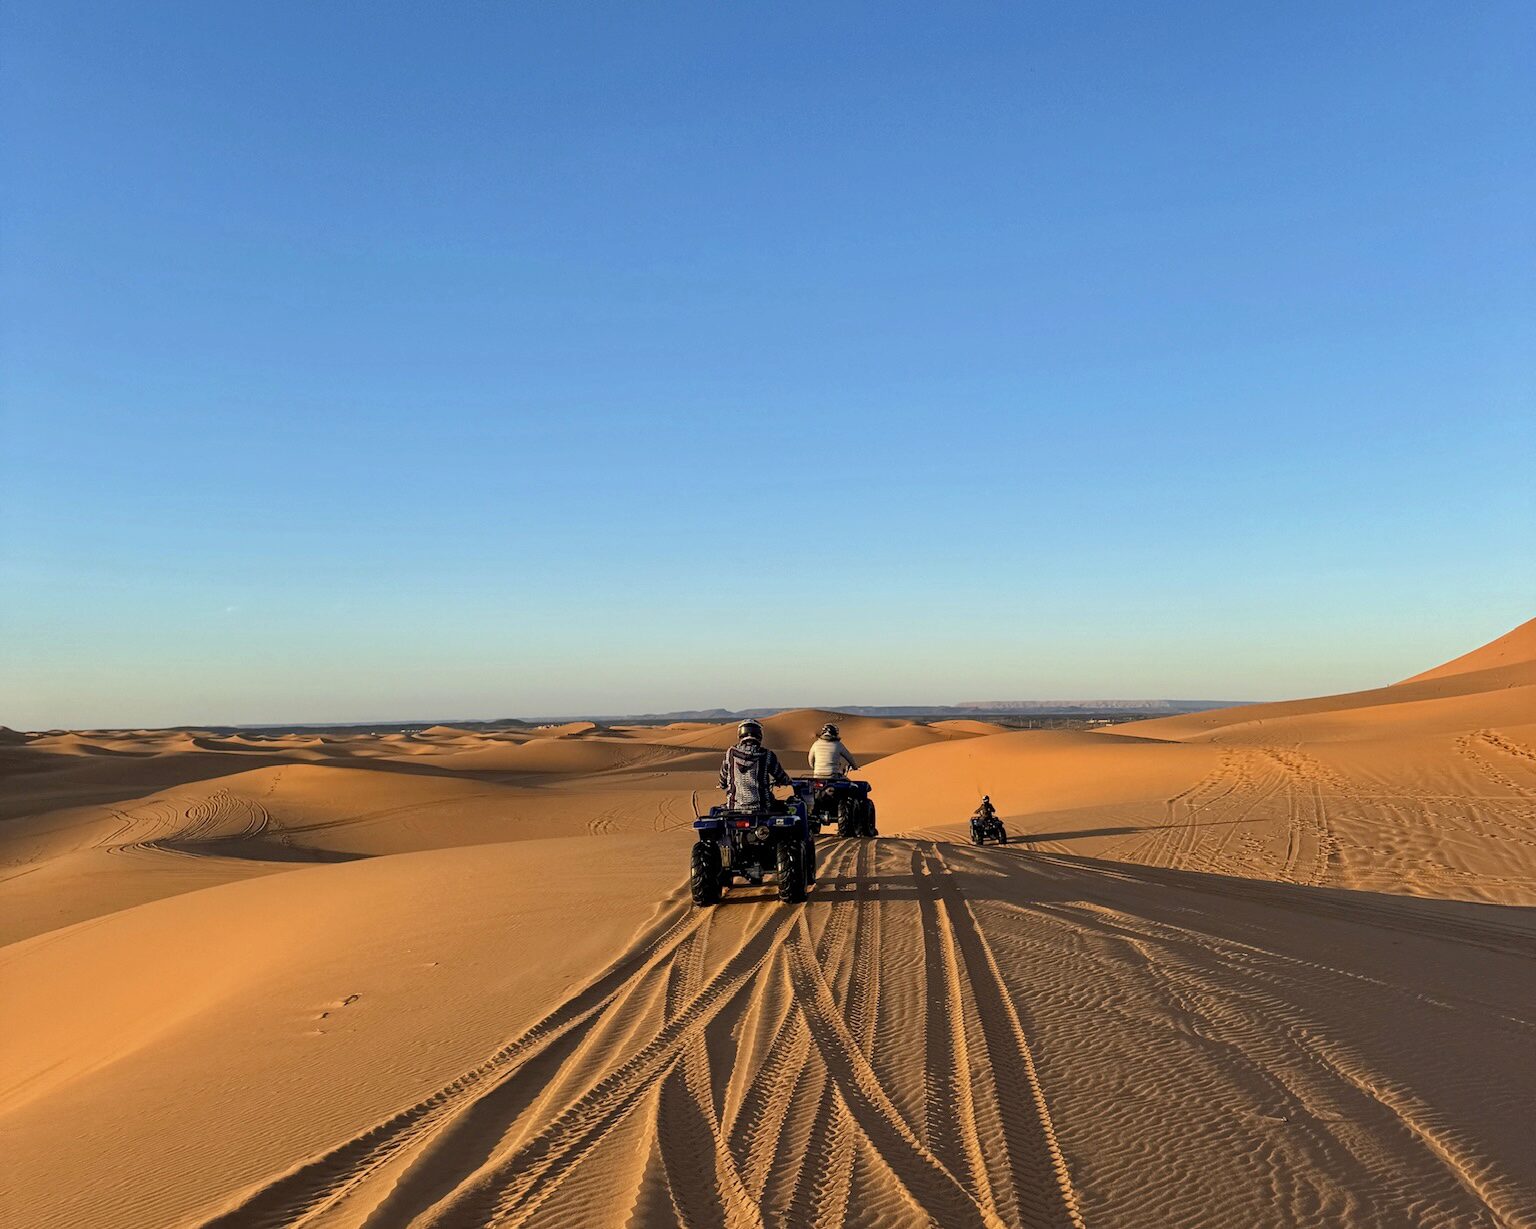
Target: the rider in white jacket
pixel 829 758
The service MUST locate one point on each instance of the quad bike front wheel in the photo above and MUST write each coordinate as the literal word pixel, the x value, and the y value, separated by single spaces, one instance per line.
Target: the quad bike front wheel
pixel 791 872
pixel 704 873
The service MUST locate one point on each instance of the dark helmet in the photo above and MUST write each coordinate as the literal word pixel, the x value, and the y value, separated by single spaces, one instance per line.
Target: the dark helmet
pixel 986 797
pixel 830 731
pixel 750 729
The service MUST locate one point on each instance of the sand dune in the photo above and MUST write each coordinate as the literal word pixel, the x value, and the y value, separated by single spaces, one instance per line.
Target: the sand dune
pixel 1490 686
pixel 569 729
pixel 793 732
pixel 1455 702
pixel 74 863
pixel 1511 649
pixel 1084 1045
pixel 446 731
pixel 1267 966
pixel 1045 769
pixel 965 726
pixel 234 1015
pixel 1425 787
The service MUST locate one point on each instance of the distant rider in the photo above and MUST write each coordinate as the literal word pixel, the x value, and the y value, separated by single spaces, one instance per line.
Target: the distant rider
pixel 750 771
pixel 985 815
pixel 829 758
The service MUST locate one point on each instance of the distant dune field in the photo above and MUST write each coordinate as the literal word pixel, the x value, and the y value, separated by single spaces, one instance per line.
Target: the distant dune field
pixel 1267 965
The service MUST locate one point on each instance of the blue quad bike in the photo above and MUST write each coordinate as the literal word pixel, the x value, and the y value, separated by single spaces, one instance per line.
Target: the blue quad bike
pixel 837 800
pixel 989 829
pixel 750 846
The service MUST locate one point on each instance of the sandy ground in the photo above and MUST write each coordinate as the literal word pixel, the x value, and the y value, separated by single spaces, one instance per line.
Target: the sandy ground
pixel 1269 966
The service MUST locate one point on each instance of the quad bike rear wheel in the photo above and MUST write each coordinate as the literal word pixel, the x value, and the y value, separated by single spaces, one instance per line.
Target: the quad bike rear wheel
pixel 867 814
pixel 791 870
pixel 704 873
pixel 848 822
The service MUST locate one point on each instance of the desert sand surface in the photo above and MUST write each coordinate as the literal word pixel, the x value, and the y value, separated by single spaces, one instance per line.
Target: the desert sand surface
pixel 1267 966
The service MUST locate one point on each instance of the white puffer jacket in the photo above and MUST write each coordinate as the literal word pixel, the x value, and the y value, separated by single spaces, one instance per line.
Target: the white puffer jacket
pixel 829 757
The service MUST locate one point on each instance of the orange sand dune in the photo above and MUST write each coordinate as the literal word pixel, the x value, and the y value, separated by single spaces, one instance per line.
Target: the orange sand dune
pixel 252 999
pixel 82 861
pixel 1425 787
pixel 1510 649
pixel 570 729
pixel 563 754
pixel 963 726
pixel 1268 966
pixel 794 732
pixel 1490 686
pixel 1442 704
pixel 1028 769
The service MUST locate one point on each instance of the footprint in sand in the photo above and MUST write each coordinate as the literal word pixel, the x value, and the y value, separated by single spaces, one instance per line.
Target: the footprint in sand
pixel 346 1002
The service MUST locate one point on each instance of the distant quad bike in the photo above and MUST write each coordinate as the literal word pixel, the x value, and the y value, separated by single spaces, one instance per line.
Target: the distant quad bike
pixel 752 845
pixel 837 800
pixel 984 830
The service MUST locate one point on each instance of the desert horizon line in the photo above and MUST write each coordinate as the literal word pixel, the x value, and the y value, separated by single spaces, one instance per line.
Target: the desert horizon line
pixel 1043 707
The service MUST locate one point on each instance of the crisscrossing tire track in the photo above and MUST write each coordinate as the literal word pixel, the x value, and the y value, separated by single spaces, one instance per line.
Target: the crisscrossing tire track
pixel 746 1043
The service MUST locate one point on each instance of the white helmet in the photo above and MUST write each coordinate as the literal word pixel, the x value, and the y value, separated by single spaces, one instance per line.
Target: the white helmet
pixel 750 729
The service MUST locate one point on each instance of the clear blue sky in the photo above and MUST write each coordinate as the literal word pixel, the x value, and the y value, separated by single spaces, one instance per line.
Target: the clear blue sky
pixel 369 361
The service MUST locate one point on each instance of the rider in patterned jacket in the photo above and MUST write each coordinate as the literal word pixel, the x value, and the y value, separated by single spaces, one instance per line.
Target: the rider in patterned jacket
pixel 750 771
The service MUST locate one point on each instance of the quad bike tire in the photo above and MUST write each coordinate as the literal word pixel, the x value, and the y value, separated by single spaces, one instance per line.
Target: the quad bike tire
pixel 704 873
pixel 867 813
pixel 808 859
pixel 791 872
pixel 848 823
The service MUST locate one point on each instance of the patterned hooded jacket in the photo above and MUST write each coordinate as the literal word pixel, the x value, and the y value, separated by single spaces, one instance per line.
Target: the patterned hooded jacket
pixel 748 773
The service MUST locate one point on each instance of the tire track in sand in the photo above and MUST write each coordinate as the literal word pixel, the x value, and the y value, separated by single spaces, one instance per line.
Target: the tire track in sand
pixel 312 1187
pixel 936 1038
pixel 1037 1168
pixel 722 1071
